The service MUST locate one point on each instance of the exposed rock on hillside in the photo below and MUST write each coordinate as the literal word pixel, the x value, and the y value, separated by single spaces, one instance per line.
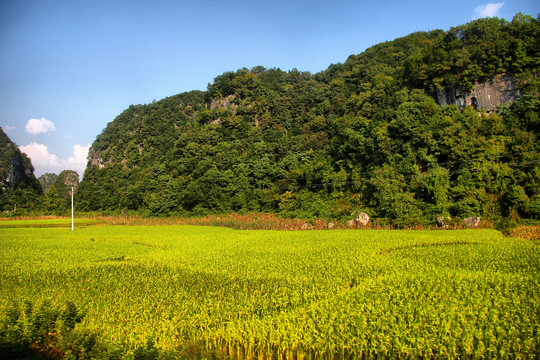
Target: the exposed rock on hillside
pixel 19 187
pixel 15 167
pixel 486 95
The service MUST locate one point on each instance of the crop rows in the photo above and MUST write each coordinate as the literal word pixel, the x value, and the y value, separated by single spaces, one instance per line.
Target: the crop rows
pixel 274 294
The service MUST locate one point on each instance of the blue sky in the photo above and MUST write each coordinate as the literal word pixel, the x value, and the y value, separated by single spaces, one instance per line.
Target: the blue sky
pixel 67 68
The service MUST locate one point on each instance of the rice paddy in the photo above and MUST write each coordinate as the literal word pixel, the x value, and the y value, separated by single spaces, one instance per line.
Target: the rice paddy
pixel 263 294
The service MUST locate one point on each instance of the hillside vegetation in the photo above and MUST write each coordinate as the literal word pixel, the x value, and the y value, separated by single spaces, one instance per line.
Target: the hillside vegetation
pixel 18 185
pixel 365 135
pixel 46 180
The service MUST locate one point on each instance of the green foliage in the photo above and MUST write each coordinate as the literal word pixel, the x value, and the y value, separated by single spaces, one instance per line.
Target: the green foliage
pixel 363 134
pixel 148 352
pixel 38 332
pixel 46 180
pixel 58 197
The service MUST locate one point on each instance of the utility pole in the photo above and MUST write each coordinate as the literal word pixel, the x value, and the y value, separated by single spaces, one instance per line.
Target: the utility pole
pixel 71 208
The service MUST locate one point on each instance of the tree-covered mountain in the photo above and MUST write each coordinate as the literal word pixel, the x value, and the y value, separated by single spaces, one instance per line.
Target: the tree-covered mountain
pixel 58 197
pixel 18 185
pixel 367 135
pixel 46 180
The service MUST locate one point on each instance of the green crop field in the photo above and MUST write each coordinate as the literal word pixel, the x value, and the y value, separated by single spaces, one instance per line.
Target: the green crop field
pixel 276 294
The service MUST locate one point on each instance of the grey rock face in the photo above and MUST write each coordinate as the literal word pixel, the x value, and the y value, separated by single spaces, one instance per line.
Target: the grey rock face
pixel 487 95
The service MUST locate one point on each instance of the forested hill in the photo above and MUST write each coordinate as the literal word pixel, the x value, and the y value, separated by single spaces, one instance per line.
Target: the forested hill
pixel 366 135
pixel 18 185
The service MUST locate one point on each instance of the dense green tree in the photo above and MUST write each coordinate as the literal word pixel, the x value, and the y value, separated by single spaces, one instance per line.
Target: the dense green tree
pixel 365 134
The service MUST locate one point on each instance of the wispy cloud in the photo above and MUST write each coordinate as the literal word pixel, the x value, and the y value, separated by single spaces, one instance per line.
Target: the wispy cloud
pixel 39 126
pixel 488 10
pixel 9 129
pixel 44 162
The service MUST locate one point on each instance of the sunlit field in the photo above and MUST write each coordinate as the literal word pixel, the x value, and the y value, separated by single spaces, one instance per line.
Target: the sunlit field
pixel 280 294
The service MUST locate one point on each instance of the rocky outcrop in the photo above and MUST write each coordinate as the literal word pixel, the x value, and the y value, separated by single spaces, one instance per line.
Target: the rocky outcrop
pixel 441 222
pixel 361 219
pixel 225 103
pixel 487 95
pixel 16 170
pixel 94 159
pixel 472 222
pixel 307 226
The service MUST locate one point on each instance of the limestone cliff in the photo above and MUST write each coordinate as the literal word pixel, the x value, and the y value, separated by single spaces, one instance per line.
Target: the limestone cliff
pixel 486 95
pixel 16 170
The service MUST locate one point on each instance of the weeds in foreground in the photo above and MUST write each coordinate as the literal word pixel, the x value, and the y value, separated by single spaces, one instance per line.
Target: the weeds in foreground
pixel 39 331
pixel 46 332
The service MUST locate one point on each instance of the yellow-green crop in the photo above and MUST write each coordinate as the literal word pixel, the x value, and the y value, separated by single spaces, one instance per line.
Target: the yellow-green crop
pixel 268 294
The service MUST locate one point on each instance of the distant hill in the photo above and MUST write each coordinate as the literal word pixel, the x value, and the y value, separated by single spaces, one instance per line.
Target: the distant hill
pixel 58 198
pixel 64 181
pixel 46 180
pixel 18 185
pixel 439 123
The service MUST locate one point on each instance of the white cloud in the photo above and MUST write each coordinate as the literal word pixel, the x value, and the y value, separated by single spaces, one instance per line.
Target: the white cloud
pixel 488 10
pixel 39 126
pixel 39 154
pixel 79 156
pixel 44 162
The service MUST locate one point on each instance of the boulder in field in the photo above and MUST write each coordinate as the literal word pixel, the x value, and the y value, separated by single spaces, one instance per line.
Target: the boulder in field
pixel 441 222
pixel 472 222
